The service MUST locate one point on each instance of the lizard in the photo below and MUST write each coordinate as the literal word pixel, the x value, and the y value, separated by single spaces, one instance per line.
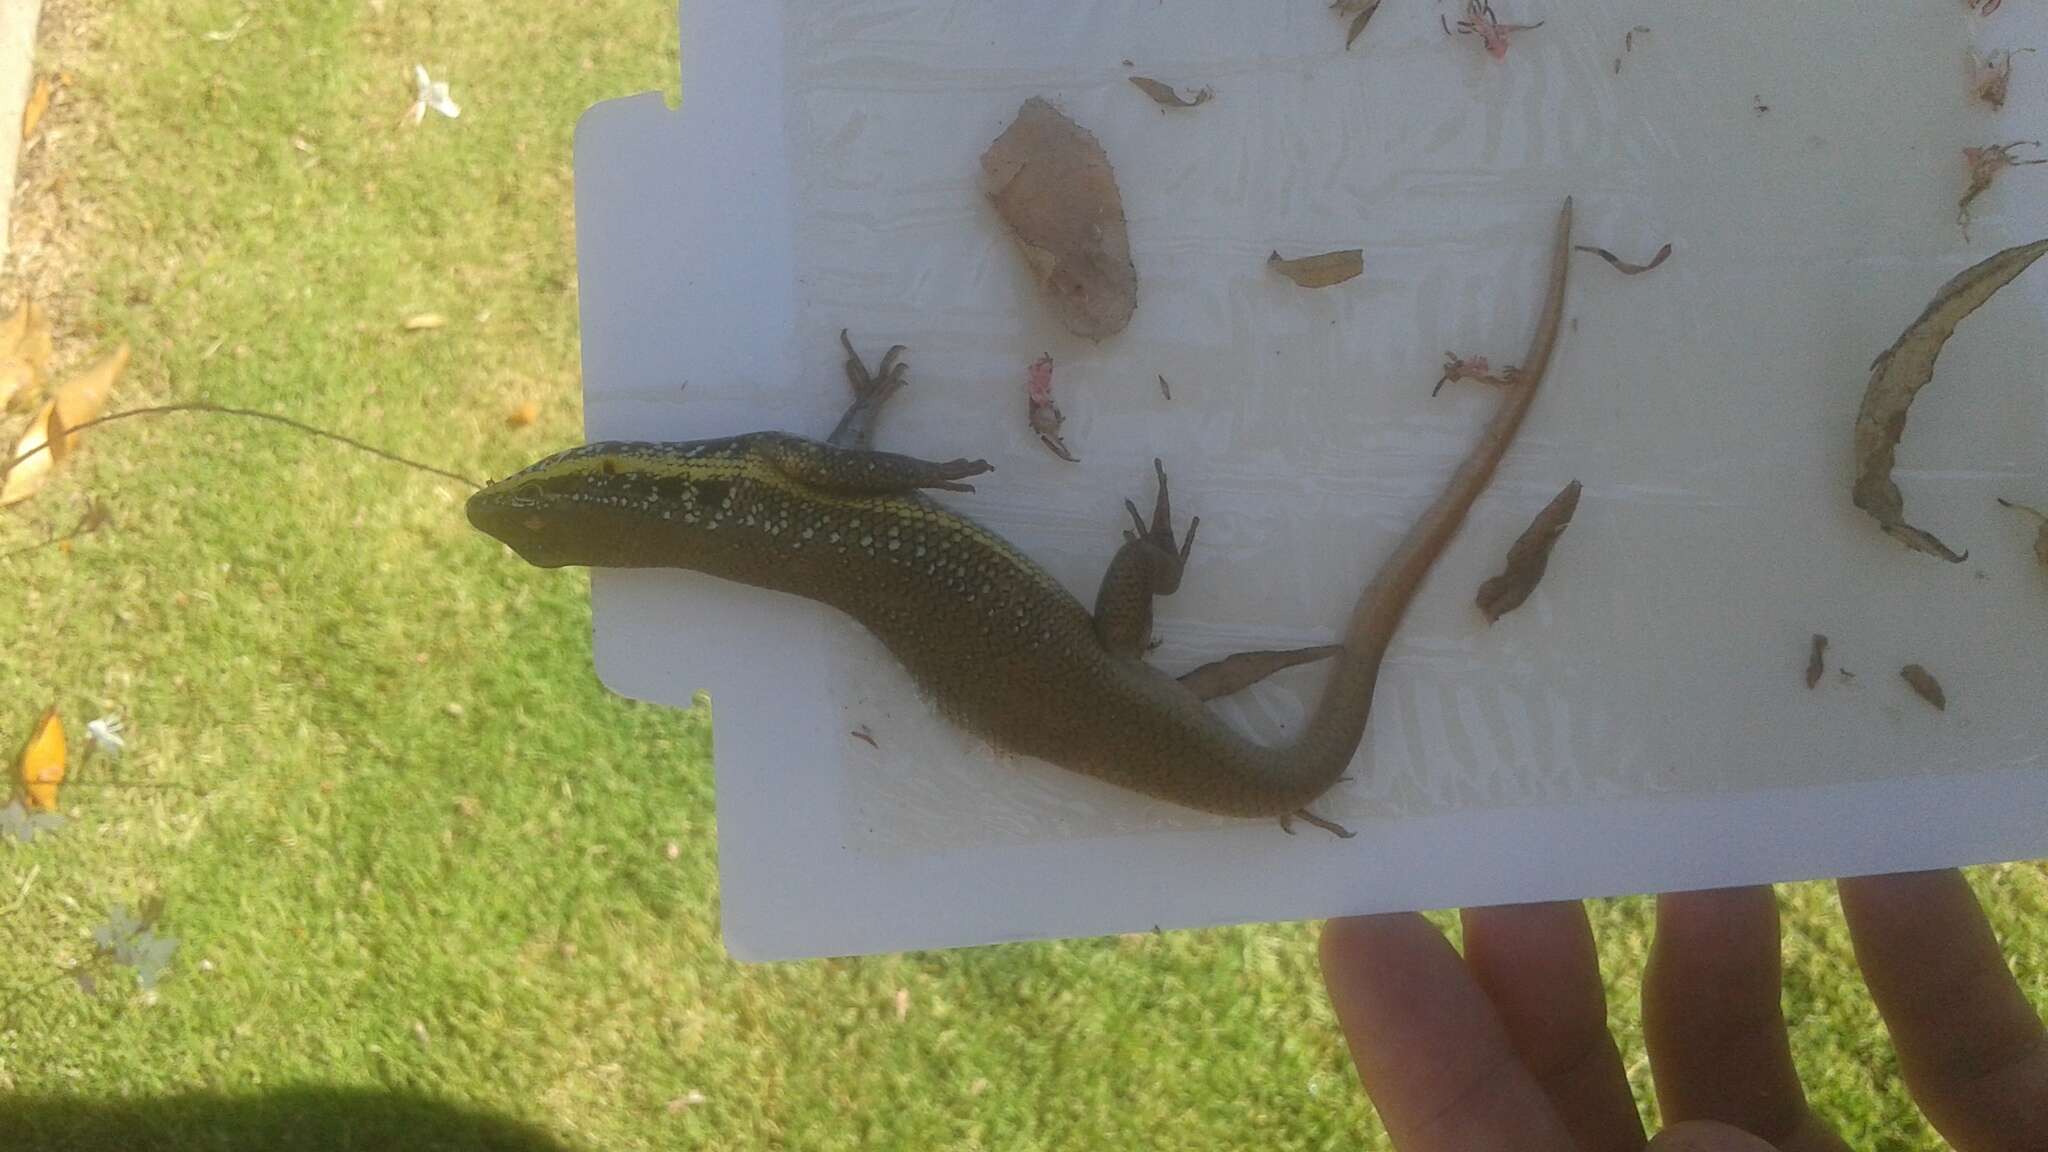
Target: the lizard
pixel 997 643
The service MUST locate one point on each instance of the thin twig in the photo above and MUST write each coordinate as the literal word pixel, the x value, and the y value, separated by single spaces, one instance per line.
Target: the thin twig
pixel 250 413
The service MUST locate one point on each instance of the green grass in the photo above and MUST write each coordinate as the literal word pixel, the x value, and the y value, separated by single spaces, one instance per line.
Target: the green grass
pixel 415 855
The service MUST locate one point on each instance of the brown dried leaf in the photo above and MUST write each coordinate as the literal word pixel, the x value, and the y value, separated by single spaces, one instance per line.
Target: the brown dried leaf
pixel 33 456
pixel 523 415
pixel 84 396
pixel 25 351
pixel 2041 538
pixel 1816 660
pixel 1052 184
pixel 1321 270
pixel 1529 556
pixel 1901 371
pixel 1924 685
pixel 1361 13
pixel 1164 95
pixel 1623 266
pixel 38 103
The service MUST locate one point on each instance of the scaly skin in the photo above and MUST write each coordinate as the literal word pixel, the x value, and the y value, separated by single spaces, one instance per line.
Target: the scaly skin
pixel 1001 647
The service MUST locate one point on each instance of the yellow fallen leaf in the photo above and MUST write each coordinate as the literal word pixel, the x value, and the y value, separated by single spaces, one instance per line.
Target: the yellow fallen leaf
pixel 524 415
pixel 25 352
pixel 31 472
pixel 425 321
pixel 84 396
pixel 40 767
pixel 38 103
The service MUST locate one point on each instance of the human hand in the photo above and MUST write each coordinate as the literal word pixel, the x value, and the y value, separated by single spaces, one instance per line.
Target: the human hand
pixel 1508 1047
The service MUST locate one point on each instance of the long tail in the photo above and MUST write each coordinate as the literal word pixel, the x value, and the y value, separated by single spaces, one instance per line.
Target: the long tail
pixel 1339 720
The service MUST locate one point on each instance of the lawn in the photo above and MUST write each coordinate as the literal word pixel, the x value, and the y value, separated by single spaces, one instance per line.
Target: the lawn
pixel 425 874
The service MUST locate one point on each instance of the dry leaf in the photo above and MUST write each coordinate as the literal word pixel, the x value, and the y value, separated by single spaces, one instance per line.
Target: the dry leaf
pixel 1984 165
pixel 1165 390
pixel 1529 556
pixel 1052 184
pixel 25 351
pixel 33 458
pixel 1623 266
pixel 2041 538
pixel 425 321
pixel 1901 371
pixel 1361 13
pixel 84 396
pixel 1816 660
pixel 40 766
pixel 1321 270
pixel 1164 95
pixel 524 415
pixel 38 103
pixel 1924 685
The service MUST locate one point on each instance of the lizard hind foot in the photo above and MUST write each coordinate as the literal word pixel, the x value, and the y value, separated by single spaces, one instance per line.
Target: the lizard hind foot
pixel 871 390
pixel 1308 817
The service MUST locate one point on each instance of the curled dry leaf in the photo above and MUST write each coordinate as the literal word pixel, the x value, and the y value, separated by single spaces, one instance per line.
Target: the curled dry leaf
pixel 38 103
pixel 1045 415
pixel 1321 270
pixel 2040 538
pixel 1924 685
pixel 1361 13
pixel 1052 184
pixel 1164 95
pixel 1165 389
pixel 1816 660
pixel 1984 165
pixel 33 457
pixel 1899 373
pixel 1529 556
pixel 1623 266
pixel 45 444
pixel 40 766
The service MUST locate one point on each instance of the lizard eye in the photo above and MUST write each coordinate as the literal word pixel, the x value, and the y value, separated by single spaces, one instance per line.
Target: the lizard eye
pixel 525 496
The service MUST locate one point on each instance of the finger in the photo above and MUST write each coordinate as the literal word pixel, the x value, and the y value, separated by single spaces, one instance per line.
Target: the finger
pixel 1538 965
pixel 1706 1136
pixel 1713 1023
pixel 1430 1051
pixel 1973 1052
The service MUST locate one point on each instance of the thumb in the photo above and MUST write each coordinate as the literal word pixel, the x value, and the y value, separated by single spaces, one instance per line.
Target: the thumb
pixel 1706 1136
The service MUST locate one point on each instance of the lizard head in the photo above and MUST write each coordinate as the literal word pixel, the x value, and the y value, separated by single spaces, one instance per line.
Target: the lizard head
pixel 613 504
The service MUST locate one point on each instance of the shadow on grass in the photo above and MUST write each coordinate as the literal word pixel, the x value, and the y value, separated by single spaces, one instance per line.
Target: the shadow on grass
pixel 314 1119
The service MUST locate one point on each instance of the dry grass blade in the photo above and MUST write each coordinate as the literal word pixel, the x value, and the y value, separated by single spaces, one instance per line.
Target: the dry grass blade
pixel 1898 375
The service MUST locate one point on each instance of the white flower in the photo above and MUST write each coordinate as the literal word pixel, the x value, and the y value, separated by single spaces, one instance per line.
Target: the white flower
pixel 430 93
pixel 105 734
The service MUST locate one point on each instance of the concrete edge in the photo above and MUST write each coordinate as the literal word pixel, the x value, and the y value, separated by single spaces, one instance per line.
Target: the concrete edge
pixel 18 20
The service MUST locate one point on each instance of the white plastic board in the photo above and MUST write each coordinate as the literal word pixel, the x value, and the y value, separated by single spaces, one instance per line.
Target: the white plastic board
pixel 1640 724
